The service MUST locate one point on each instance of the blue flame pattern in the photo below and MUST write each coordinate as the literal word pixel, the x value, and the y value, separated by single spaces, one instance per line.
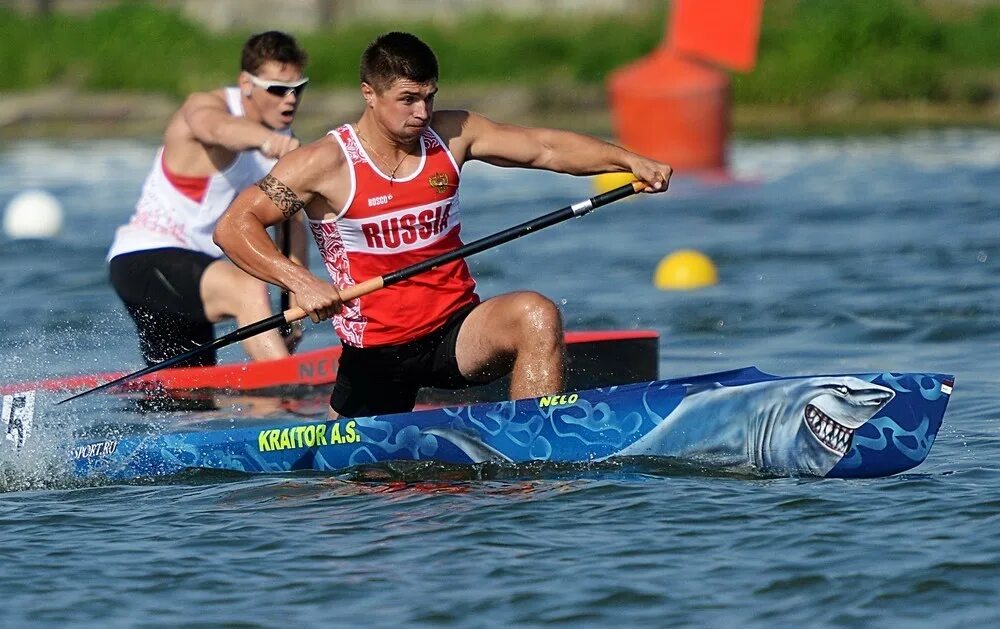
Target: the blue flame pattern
pixel 901 435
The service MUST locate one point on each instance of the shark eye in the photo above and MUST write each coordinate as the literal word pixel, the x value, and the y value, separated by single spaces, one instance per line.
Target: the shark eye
pixel 842 390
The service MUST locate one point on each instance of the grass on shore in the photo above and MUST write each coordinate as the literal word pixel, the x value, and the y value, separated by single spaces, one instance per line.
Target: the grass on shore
pixel 810 50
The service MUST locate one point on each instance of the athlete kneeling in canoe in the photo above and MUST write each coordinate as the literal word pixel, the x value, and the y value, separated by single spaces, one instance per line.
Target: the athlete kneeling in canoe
pixel 174 281
pixel 382 194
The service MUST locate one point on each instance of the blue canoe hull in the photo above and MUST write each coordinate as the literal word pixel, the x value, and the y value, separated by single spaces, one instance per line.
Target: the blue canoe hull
pixel 862 425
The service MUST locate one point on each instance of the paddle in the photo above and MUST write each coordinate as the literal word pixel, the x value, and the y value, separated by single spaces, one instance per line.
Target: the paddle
pixel 376 283
pixel 285 236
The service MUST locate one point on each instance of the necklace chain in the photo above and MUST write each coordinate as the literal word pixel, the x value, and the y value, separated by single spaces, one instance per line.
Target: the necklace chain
pixel 385 160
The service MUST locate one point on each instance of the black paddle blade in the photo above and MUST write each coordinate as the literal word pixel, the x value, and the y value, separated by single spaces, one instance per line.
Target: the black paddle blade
pixel 233 337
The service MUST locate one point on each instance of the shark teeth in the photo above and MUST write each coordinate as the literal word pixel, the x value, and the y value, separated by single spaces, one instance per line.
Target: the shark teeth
pixel 830 433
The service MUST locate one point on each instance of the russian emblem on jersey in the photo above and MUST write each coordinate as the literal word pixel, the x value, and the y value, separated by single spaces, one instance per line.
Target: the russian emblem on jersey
pixel 439 181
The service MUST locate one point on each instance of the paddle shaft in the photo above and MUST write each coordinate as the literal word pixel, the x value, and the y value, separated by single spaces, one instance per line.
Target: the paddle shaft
pixel 285 236
pixel 376 283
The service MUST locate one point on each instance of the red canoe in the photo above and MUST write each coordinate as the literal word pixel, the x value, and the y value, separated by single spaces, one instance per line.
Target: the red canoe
pixel 594 359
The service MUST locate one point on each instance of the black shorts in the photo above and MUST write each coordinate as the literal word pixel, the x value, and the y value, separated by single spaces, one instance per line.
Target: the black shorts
pixel 381 380
pixel 161 289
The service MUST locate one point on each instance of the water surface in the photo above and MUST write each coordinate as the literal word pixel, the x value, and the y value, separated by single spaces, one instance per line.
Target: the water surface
pixel 834 255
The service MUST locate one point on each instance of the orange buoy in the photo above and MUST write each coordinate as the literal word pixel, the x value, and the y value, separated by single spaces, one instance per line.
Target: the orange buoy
pixel 673 104
pixel 672 109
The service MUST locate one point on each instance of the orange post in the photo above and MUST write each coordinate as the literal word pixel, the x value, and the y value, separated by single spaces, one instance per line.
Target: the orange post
pixel 674 103
pixel 724 32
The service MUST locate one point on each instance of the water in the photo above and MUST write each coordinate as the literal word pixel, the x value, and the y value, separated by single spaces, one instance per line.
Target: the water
pixel 834 255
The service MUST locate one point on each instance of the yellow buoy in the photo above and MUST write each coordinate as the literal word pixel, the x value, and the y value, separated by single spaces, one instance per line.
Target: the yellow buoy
pixel 609 181
pixel 684 270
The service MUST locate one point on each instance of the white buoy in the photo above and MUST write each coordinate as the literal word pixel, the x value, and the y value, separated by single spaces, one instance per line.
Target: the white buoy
pixel 33 214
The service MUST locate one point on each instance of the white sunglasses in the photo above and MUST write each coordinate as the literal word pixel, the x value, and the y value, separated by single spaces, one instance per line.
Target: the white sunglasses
pixel 280 88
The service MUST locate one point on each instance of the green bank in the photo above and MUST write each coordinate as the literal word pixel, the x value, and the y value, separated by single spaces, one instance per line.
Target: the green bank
pixel 823 64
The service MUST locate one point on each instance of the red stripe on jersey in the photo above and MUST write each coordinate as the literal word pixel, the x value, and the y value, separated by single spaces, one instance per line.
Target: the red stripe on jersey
pixel 192 187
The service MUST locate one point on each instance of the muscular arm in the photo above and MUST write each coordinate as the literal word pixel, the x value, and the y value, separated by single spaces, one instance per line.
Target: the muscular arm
pixel 242 234
pixel 210 123
pixel 547 149
pixel 242 231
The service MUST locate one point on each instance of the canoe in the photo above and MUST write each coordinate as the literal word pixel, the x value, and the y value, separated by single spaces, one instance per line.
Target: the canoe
pixel 742 421
pixel 594 359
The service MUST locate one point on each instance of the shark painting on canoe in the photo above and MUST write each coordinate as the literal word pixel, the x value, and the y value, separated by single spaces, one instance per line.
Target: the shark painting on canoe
pixel 797 426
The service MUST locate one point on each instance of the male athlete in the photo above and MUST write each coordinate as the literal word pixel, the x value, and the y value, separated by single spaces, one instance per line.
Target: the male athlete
pixel 383 194
pixel 173 279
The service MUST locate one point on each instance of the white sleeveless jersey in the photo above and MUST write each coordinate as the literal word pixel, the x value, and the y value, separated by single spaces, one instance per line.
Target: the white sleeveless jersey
pixel 165 217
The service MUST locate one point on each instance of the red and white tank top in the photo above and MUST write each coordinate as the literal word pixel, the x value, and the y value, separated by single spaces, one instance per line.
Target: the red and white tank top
pixel 388 224
pixel 179 211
